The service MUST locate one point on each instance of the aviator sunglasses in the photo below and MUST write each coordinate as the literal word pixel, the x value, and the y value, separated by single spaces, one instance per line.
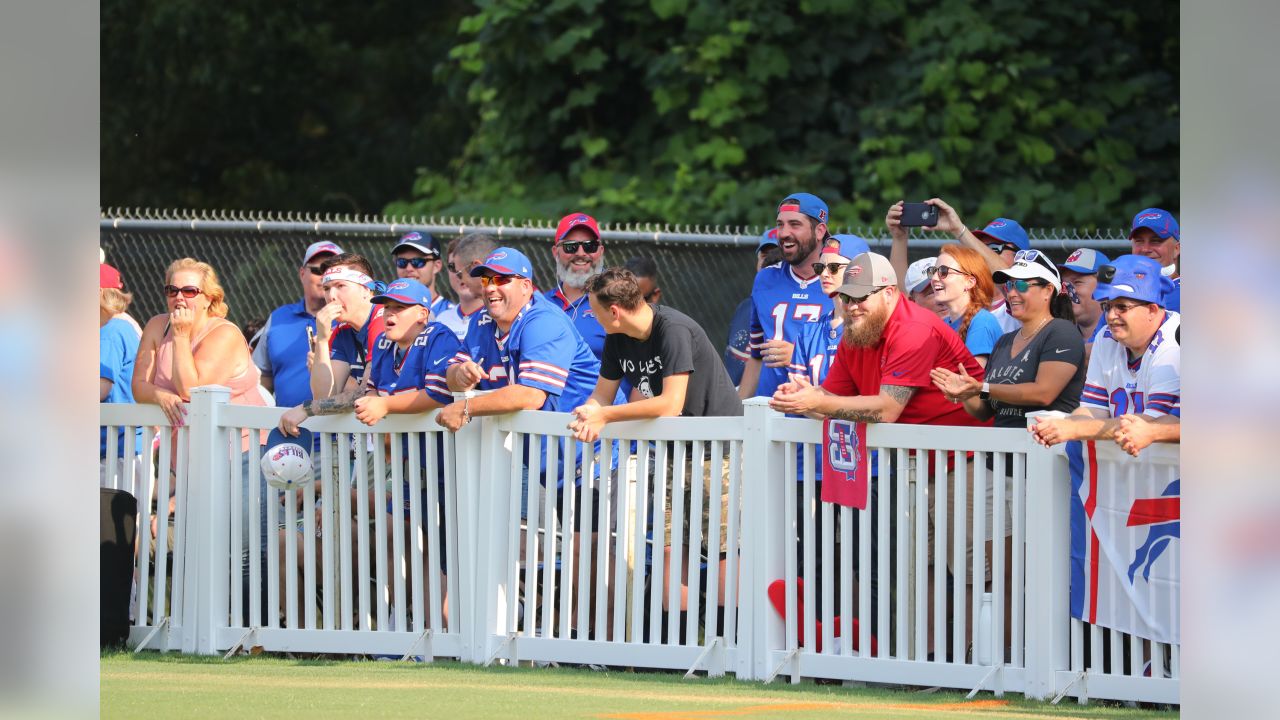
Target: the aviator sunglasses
pixel 188 291
pixel 498 280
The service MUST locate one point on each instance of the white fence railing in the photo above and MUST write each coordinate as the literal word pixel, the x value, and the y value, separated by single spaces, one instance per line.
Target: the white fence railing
pixel 512 542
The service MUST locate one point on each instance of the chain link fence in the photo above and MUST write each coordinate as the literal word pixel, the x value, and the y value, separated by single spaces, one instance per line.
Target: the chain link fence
pixel 703 271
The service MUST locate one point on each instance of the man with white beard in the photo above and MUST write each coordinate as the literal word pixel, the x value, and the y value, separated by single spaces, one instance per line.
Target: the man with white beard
pixel 578 254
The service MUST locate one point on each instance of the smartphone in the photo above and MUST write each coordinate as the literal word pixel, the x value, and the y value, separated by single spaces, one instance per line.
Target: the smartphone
pixel 311 336
pixel 919 215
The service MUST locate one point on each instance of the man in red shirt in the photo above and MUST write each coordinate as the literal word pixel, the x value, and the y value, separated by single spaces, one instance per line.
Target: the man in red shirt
pixel 881 371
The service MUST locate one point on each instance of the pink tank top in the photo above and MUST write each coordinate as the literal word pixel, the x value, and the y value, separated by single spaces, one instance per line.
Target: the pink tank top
pixel 244 385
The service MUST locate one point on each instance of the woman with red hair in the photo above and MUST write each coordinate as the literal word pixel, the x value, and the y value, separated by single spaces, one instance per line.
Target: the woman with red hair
pixel 962 286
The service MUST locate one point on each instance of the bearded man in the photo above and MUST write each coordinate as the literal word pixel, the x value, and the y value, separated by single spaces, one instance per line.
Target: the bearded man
pixel 579 254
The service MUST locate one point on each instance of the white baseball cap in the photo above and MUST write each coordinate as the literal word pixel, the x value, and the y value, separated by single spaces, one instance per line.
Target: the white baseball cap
pixel 286 461
pixel 918 274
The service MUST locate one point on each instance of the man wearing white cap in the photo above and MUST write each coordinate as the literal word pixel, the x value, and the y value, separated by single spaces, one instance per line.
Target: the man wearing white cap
pixel 282 345
pixel 916 285
pixel 1080 271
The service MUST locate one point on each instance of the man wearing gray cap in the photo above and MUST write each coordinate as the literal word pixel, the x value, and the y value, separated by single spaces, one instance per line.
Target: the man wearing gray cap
pixel 882 374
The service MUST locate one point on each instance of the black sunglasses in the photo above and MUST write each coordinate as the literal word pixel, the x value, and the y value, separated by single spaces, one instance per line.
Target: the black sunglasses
pixel 418 262
pixel 316 270
pixel 850 300
pixel 571 248
pixel 833 268
pixel 998 248
pixel 188 291
pixel 1106 273
pixel 943 271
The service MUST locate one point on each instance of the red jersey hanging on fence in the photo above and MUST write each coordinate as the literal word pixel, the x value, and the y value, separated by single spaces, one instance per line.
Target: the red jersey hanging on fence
pixel 844 463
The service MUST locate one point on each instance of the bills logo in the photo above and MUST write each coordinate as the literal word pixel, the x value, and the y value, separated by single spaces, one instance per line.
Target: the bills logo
pixel 285 451
pixel 1075 256
pixel 772 234
pixel 1148 216
pixel 412 236
pixel 1164 517
pixel 842 449
pixel 578 220
pixel 853 272
pixel 822 216
pixel 496 256
pixel 995 224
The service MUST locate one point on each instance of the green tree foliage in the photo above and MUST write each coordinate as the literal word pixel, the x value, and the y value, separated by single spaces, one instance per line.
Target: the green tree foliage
pixel 325 105
pixel 707 112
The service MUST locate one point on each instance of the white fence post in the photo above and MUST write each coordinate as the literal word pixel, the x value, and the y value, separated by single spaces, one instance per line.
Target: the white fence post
pixel 208 533
pixel 479 552
pixel 761 549
pixel 1048 568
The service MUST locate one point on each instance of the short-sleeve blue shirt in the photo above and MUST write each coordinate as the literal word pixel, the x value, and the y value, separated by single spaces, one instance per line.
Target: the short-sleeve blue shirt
pixel 117 351
pixel 984 331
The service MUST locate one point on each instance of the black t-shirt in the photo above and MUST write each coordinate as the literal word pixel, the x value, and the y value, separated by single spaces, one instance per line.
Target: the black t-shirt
pixel 677 344
pixel 1058 341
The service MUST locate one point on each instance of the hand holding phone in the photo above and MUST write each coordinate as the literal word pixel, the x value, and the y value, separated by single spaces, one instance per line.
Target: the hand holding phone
pixel 919 215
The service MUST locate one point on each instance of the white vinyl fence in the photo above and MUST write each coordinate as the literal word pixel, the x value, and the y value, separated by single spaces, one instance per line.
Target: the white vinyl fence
pixel 511 542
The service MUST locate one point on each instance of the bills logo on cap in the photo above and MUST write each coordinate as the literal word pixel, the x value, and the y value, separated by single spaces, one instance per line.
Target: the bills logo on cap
pixel 412 236
pixel 854 271
pixel 578 220
pixel 1148 216
pixel 773 233
pixel 286 461
pixel 822 215
pixel 1075 256
pixel 496 256
pixel 996 224
pixel 398 285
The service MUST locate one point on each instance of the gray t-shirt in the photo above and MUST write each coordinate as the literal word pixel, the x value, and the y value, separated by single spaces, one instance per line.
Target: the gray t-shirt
pixel 677 344
pixel 1058 341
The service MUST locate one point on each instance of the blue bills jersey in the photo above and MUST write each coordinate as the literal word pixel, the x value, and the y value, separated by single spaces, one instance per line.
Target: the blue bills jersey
pixel 782 305
pixel 421 367
pixel 584 320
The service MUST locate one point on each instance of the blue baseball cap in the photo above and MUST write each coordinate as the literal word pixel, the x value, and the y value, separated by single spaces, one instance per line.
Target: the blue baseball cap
pixel 805 204
pixel 1161 222
pixel 505 261
pixel 769 237
pixel 847 246
pixel 405 291
pixel 1133 276
pixel 423 242
pixel 1084 260
pixel 1004 230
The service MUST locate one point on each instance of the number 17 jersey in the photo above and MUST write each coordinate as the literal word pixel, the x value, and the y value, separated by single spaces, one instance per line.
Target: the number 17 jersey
pixel 781 305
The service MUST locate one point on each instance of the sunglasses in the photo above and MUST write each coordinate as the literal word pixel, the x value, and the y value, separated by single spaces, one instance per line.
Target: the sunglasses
pixel 418 262
pixel 498 280
pixel 1121 308
pixel 833 268
pixel 850 300
pixel 1106 273
pixel 943 271
pixel 571 248
pixel 1023 285
pixel 188 292
pixel 316 270
pixel 998 248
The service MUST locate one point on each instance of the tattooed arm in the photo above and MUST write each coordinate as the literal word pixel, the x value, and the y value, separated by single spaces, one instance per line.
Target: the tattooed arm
pixel 885 407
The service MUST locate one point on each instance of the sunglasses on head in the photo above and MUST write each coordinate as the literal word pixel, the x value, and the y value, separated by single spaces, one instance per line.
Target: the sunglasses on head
pixel 1106 273
pixel 943 271
pixel 188 291
pixel 571 248
pixel 850 300
pixel 833 268
pixel 1023 285
pixel 498 280
pixel 418 262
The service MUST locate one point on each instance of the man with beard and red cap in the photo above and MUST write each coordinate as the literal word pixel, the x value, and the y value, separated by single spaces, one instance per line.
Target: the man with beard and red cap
pixel 787 296
pixel 578 255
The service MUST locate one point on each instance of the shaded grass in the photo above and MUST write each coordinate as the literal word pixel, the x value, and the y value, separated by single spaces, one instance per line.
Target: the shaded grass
pixel 175 686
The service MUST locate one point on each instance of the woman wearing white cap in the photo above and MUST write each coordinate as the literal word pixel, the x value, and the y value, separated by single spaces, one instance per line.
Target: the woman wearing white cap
pixel 1038 367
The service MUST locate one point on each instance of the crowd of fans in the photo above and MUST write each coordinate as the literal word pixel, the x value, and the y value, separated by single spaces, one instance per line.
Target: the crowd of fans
pixel 985 333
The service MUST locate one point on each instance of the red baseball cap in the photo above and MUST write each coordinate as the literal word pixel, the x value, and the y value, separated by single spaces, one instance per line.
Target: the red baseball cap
pixel 109 277
pixel 572 220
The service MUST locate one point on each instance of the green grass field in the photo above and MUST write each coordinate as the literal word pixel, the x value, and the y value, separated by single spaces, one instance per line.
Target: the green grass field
pixel 173 686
